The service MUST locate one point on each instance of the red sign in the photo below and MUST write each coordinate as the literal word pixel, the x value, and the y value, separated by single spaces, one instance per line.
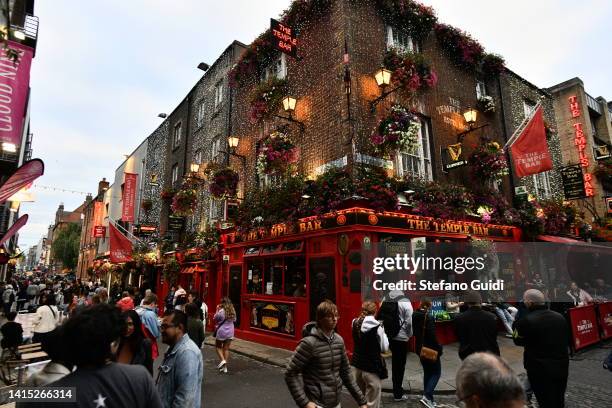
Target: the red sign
pixel 605 319
pixel 129 197
pixel 584 326
pixel 14 88
pixel 23 176
pixel 14 228
pixel 120 246
pixel 98 218
pixel 581 144
pixel 283 38
pixel 530 149
pixel 99 231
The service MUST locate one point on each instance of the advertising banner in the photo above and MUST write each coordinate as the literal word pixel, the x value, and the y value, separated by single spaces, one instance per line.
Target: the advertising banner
pixel 272 316
pixel 99 231
pixel 530 150
pixel 14 228
pixel 584 326
pixel 120 246
pixel 129 197
pixel 23 176
pixel 605 319
pixel 98 219
pixel 14 86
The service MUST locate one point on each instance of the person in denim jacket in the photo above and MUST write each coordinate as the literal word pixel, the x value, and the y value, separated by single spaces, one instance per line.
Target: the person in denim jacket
pixel 179 380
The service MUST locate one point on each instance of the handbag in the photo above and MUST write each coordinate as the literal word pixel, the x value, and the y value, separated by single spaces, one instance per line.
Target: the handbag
pixel 427 353
pixel 218 327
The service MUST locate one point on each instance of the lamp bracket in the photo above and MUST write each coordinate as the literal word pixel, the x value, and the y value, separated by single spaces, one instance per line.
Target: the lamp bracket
pixel 376 101
pixel 231 153
pixel 290 119
pixel 463 134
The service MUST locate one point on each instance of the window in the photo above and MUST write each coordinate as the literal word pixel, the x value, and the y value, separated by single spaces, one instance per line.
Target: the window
pixel 401 40
pixel 200 116
pixel 277 276
pixel 215 147
pixel 176 138
pixel 481 89
pixel 541 183
pixel 175 174
pixel 276 69
pixel 528 107
pixel 418 163
pixel 295 276
pixel 197 157
pixel 271 180
pixel 218 93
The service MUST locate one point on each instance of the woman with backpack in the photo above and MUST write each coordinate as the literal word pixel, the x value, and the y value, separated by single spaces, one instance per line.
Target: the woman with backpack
pixel 46 319
pixel 370 341
pixel 428 349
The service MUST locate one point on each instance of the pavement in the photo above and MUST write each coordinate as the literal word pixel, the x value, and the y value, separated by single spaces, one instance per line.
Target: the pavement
pixel 259 369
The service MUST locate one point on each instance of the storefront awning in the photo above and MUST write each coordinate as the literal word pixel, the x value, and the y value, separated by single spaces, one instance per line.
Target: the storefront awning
pixel 188 269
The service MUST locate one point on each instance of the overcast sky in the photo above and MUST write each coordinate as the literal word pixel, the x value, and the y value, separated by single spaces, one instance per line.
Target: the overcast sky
pixel 105 69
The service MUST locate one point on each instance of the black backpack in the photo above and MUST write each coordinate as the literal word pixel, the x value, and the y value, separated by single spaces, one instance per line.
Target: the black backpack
pixel 389 314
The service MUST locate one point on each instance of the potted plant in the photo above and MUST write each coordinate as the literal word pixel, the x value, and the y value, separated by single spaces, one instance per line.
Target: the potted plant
pixel 398 131
pixel 488 162
pixel 185 201
pixel 277 154
pixel 223 181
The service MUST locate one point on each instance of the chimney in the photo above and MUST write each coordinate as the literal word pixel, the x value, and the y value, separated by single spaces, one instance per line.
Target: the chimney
pixel 103 186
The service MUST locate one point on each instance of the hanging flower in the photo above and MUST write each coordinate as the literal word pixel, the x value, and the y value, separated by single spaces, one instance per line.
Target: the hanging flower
pixel 486 104
pixel 488 162
pixel 418 19
pixel 223 181
pixel 409 70
pixel 277 154
pixel 184 202
pixel 398 131
pixel 267 99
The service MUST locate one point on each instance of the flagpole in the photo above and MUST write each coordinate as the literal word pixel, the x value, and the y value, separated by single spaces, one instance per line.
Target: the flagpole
pixel 126 232
pixel 521 127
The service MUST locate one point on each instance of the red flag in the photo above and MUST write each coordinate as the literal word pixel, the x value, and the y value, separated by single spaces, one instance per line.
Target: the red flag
pixel 530 151
pixel 23 176
pixel 120 246
pixel 129 197
pixel 97 219
pixel 14 228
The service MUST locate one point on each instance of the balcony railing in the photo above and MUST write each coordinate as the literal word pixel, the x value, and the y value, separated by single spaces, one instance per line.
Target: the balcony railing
pixel 593 104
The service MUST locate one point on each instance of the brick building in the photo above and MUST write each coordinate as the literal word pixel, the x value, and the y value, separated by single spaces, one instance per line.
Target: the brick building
pixel 62 220
pixel 88 248
pixel 579 112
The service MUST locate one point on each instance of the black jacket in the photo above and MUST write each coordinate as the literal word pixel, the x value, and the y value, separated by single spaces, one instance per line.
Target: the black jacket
pixel 544 334
pixel 431 340
pixel 323 366
pixel 477 331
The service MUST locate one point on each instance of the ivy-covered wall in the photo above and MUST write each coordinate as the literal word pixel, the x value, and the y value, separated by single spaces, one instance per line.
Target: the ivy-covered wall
pixel 154 169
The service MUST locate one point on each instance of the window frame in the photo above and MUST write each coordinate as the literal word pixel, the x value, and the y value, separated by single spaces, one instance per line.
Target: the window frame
pixel 425 162
pixel 219 93
pixel 528 104
pixel 177 135
pixel 215 147
pixel 542 182
pixel 174 175
pixel 412 45
pixel 277 68
pixel 200 114
pixel 481 89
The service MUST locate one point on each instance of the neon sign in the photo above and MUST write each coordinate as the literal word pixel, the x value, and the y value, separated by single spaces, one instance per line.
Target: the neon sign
pixel 581 145
pixel 283 38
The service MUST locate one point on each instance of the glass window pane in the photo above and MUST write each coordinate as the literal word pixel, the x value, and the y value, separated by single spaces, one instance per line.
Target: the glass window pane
pixel 273 276
pixel 254 277
pixel 295 276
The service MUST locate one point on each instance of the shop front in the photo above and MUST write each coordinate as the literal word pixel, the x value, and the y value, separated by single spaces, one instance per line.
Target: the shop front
pixel 277 276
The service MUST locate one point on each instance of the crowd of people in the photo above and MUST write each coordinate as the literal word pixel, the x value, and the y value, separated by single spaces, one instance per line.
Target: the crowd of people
pixel 107 345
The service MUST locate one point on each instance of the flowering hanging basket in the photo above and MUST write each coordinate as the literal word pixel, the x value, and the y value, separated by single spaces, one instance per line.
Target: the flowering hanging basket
pixel 223 183
pixel 277 155
pixel 489 162
pixel 167 195
pixel 409 70
pixel 486 104
pixel 267 99
pixel 184 202
pixel 398 131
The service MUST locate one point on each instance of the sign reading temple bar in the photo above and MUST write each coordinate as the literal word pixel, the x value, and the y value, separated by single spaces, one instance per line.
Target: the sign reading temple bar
pixel 580 142
pixel 283 38
pixel 573 182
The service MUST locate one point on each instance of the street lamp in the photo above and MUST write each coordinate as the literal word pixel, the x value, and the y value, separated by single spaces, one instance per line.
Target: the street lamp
pixel 232 142
pixel 383 80
pixel 162 115
pixel 289 103
pixel 195 167
pixel 470 116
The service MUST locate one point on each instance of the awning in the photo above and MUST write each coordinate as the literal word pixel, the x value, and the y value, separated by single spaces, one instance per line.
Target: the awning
pixel 558 240
pixel 188 269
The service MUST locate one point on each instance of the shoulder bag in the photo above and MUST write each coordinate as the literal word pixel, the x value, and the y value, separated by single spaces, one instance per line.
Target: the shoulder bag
pixel 427 353
pixel 218 327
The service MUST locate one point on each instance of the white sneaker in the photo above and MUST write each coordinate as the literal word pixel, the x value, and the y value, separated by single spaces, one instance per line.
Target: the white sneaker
pixel 224 370
pixel 221 364
pixel 427 402
pixel 404 397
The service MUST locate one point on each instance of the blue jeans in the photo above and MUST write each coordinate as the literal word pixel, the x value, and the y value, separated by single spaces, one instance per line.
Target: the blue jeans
pixel 431 376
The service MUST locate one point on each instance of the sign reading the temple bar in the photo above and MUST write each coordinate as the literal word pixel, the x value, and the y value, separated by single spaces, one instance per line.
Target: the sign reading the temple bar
pixel 452 157
pixel 283 38
pixel 573 182
pixel 580 142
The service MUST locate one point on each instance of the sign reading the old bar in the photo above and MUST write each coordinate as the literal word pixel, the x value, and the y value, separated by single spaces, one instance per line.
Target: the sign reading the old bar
pixel 283 38
pixel 573 182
